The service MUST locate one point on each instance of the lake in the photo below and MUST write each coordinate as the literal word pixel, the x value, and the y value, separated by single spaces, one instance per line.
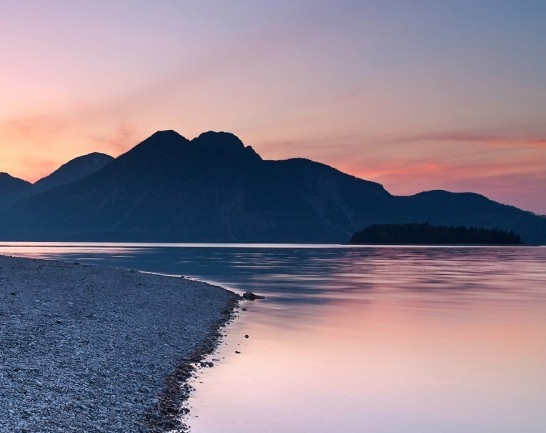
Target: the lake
pixel 361 339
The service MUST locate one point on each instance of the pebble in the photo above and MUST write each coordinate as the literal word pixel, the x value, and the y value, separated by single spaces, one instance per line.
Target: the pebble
pixel 98 352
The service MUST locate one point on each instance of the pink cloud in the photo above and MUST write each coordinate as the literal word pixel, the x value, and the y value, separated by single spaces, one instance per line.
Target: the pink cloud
pixel 470 137
pixel 36 129
pixel 117 141
pixel 520 184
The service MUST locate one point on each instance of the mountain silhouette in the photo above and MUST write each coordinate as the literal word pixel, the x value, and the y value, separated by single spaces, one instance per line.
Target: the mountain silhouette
pixel 215 189
pixel 12 189
pixel 72 171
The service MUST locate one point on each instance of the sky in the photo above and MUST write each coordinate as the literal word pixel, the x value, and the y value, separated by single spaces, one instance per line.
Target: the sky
pixel 416 95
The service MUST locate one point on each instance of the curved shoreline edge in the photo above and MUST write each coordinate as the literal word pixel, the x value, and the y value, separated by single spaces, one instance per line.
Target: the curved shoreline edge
pixel 169 415
pixel 92 348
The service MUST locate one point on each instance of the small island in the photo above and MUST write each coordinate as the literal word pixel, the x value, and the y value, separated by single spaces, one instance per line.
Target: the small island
pixel 426 234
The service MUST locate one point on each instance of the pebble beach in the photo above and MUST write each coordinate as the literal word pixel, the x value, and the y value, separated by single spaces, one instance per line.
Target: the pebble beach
pixel 94 349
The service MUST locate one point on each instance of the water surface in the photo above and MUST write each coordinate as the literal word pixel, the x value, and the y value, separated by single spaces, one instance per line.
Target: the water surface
pixel 362 339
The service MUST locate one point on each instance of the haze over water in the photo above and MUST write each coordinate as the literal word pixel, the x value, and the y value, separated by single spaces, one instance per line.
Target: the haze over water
pixel 363 339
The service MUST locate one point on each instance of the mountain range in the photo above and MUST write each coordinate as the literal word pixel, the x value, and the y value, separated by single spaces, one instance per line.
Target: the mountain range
pixel 13 189
pixel 215 189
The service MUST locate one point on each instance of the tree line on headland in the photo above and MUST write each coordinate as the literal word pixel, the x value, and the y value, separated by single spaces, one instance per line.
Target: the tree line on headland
pixel 426 234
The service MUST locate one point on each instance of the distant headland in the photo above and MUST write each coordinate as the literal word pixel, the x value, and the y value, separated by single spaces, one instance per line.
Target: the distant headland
pixel 426 234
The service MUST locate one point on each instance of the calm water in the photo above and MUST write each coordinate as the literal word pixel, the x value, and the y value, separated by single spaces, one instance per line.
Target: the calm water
pixel 362 339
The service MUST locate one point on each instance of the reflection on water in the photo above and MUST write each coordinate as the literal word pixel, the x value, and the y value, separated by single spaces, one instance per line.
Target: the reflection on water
pixel 362 339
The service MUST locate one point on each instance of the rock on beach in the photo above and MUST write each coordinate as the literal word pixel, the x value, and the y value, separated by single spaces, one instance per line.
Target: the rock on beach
pixel 87 348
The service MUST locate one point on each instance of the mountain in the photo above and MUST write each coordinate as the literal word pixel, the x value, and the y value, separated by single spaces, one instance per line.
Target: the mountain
pixel 11 190
pixel 73 170
pixel 471 210
pixel 215 189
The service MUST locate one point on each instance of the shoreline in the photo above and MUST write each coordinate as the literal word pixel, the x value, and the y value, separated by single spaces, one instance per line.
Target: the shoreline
pixel 171 414
pixel 92 348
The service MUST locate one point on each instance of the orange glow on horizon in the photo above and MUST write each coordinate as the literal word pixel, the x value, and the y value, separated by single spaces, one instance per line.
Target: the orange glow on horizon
pixel 504 170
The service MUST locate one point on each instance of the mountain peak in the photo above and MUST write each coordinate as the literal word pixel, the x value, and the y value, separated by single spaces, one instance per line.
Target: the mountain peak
pixel 224 142
pixel 167 137
pixel 73 170
pixel 217 139
pixel 166 134
pixel 166 142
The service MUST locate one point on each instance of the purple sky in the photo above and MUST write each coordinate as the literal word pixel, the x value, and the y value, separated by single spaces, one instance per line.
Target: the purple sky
pixel 416 95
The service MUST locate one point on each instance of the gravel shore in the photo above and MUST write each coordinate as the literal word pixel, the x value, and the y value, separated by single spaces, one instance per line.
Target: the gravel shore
pixel 93 349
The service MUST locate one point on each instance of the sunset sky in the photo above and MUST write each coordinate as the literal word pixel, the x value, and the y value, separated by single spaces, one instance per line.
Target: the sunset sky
pixel 416 95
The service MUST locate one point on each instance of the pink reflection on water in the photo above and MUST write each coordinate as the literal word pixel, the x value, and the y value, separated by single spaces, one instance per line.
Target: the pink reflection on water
pixel 389 363
pixel 52 250
pixel 380 340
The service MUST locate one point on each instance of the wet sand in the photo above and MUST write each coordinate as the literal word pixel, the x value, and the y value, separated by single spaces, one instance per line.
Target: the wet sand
pixel 94 349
